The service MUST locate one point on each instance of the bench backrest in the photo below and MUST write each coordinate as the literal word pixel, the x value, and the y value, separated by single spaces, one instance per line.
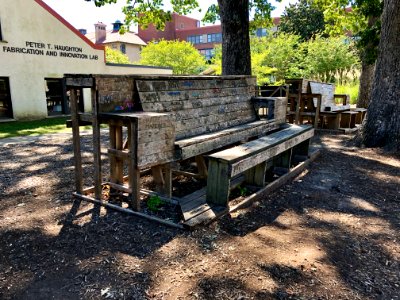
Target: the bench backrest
pixel 197 105
pixel 200 105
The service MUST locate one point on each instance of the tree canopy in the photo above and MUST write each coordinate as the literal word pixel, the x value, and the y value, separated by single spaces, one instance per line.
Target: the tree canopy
pixel 181 56
pixel 115 56
pixel 303 19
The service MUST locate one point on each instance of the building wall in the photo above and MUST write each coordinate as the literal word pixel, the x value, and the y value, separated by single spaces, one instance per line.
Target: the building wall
pixel 132 51
pixel 38 45
pixel 177 23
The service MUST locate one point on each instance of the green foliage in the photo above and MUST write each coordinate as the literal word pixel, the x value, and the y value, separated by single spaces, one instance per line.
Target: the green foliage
pixel 350 89
pixel 363 20
pixel 329 58
pixel 275 58
pixel 154 203
pixel 115 56
pixel 283 54
pixel 181 56
pixel 243 191
pixel 145 12
pixel 303 19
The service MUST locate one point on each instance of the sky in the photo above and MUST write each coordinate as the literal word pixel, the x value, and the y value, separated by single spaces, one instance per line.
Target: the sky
pixel 83 14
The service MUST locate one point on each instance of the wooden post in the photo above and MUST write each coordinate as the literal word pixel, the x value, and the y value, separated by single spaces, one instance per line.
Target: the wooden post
pixel 76 142
pixel 201 166
pixel 218 183
pixel 256 175
pixel 134 172
pixel 96 146
pixel 116 163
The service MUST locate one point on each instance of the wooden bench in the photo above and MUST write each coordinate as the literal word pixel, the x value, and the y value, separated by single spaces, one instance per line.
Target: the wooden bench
pixel 168 119
pixel 317 103
pixel 281 149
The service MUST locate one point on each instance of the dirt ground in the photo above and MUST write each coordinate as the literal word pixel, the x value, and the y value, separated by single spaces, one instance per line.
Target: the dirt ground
pixel 332 233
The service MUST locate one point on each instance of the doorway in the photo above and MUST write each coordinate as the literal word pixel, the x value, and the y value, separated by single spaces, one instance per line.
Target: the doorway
pixel 5 98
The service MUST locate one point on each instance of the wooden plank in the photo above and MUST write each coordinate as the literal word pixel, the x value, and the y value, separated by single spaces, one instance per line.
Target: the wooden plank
pixel 79 82
pixel 96 146
pixel 242 165
pixel 206 217
pixel 128 211
pixel 76 142
pixel 209 145
pixel 123 154
pixel 249 149
pixel 218 182
pixel 201 166
pixel 134 172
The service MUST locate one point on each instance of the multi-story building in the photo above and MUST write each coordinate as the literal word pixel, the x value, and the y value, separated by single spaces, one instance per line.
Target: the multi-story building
pixel 128 43
pixel 203 38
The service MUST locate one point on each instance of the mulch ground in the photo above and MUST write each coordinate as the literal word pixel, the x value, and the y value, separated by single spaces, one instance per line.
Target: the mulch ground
pixel 332 233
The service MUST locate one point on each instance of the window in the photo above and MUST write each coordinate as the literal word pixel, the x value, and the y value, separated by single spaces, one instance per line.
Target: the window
pixel 207 53
pixel 214 38
pixel 260 32
pixel 123 48
pixel 5 99
pixel 195 39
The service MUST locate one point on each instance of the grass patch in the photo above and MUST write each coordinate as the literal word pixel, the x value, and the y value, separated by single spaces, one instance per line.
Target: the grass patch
pixel 351 89
pixel 31 128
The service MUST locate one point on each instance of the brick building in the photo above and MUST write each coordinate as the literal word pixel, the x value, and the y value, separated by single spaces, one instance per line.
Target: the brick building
pixel 203 38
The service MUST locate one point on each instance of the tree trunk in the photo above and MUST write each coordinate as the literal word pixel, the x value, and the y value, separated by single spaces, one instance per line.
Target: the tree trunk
pixel 366 79
pixel 235 37
pixel 382 128
pixel 367 71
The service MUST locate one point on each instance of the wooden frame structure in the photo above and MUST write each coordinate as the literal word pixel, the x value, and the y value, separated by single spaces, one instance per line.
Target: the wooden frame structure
pixel 155 122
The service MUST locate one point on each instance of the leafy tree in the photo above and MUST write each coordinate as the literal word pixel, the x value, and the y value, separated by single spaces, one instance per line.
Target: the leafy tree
pixel 181 56
pixel 115 56
pixel 328 58
pixel 303 19
pixel 234 16
pixel 363 20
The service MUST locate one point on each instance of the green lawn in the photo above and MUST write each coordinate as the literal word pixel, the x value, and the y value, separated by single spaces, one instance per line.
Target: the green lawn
pixel 30 128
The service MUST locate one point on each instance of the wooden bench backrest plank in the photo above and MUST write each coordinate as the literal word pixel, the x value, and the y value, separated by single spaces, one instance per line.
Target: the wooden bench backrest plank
pixel 200 106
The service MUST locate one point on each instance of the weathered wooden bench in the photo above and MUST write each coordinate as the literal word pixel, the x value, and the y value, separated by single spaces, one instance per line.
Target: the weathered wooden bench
pixel 280 149
pixel 317 102
pixel 170 119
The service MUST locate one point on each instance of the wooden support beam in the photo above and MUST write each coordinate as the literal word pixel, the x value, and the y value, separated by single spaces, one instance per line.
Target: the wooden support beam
pixel 96 146
pixel 134 172
pixel 201 166
pixel 76 142
pixel 128 211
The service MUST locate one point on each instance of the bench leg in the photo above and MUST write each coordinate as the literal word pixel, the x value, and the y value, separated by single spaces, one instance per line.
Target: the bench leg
pixel 300 152
pixel 116 164
pixel 256 176
pixel 162 176
pixel 134 172
pixel 282 162
pixel 218 183
pixel 201 166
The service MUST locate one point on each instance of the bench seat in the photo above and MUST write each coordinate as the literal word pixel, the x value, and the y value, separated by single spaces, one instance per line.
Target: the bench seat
pixel 193 146
pixel 288 142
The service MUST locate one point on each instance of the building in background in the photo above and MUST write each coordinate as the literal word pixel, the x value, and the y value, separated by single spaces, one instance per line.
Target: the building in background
pixel 203 38
pixel 128 43
pixel 37 47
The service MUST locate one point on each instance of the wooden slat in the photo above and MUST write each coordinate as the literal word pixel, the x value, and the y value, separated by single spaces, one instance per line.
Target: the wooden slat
pixel 76 143
pixel 207 216
pixel 96 147
pixel 213 144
